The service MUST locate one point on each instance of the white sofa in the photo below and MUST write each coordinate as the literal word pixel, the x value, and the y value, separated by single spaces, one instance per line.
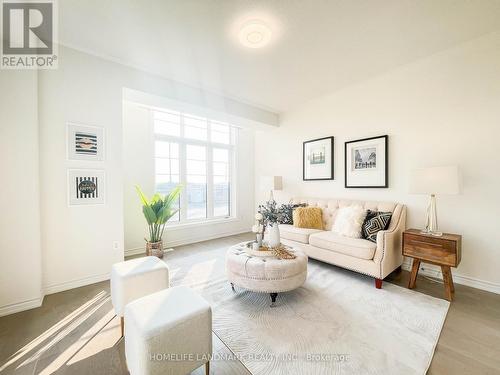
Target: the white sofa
pixel 374 259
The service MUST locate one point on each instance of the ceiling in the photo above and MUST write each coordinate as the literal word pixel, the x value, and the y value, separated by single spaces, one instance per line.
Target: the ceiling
pixel 318 46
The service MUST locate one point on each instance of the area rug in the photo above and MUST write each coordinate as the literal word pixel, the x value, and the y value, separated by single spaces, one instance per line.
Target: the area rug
pixel 336 323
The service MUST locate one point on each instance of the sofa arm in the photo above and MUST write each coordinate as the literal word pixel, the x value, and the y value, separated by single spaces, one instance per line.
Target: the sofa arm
pixel 389 254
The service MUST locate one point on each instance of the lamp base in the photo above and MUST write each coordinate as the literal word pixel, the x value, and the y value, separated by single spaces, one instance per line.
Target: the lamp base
pixel 271 196
pixel 431 224
pixel 431 233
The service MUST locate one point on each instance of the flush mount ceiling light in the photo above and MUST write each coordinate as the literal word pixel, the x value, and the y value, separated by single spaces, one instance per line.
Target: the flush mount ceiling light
pixel 255 34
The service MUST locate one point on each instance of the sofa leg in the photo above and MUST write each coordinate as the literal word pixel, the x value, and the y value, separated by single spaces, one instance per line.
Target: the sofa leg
pixel 378 283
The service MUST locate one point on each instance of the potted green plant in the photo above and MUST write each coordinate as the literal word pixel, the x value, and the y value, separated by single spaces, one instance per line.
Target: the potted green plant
pixel 157 211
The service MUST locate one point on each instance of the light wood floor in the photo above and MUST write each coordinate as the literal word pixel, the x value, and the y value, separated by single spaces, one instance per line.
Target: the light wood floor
pixel 76 332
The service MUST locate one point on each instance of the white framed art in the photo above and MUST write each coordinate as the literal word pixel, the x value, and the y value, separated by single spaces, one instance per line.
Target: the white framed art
pixel 367 163
pixel 318 159
pixel 86 186
pixel 85 142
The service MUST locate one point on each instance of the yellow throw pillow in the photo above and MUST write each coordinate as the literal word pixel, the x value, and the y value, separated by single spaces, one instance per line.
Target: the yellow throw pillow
pixel 308 217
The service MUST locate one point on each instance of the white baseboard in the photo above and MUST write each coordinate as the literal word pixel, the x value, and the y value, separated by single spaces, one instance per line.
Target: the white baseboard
pixel 51 289
pixel 190 240
pixel 21 306
pixel 435 272
pixel 76 283
pixel 186 241
pixel 134 251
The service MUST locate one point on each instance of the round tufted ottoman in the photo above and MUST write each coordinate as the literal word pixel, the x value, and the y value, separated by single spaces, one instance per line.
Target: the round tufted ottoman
pixel 265 274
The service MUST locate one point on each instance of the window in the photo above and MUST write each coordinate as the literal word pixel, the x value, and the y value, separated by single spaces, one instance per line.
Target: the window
pixel 199 154
pixel 167 123
pixel 221 181
pixel 196 181
pixel 167 169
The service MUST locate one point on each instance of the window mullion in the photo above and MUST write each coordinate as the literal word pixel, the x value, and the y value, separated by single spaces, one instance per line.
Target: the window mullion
pixel 182 125
pixel 183 180
pixel 210 183
pixel 233 182
pixel 182 172
pixel 210 179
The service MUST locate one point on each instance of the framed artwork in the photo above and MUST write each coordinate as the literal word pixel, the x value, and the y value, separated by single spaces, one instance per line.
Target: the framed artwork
pixel 85 142
pixel 317 159
pixel 367 163
pixel 86 186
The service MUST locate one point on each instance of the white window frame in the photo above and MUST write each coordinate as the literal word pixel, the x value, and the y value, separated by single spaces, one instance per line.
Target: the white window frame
pixel 209 145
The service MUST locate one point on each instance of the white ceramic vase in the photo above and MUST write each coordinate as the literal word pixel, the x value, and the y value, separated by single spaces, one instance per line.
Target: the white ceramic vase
pixel 273 235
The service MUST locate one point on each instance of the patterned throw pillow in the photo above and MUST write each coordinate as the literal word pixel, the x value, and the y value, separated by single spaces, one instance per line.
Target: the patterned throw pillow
pixel 286 211
pixel 375 222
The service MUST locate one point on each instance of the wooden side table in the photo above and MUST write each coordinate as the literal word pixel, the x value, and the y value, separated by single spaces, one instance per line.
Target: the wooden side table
pixel 444 251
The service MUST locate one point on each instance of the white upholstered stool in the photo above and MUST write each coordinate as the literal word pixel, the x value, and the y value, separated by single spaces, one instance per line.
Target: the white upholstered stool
pixel 136 278
pixel 168 332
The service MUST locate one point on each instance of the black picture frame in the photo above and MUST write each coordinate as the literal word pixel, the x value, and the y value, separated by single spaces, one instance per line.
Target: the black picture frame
pixel 332 159
pixel 386 166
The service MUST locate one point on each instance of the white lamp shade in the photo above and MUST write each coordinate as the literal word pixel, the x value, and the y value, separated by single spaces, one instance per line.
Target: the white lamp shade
pixel 435 180
pixel 268 183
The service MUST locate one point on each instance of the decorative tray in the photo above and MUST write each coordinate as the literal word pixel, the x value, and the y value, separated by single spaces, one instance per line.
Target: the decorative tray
pixel 260 253
pixel 263 252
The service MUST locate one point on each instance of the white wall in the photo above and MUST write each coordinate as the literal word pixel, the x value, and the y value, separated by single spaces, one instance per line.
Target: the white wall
pixel 441 110
pixel 20 254
pixel 138 147
pixel 77 242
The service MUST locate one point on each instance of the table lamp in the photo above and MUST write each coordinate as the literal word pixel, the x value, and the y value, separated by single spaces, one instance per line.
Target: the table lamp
pixel 434 181
pixel 271 183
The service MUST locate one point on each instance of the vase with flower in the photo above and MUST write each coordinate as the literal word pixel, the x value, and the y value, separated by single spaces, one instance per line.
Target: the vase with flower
pixel 271 216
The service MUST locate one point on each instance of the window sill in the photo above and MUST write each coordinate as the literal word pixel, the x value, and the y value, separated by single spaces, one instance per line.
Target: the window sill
pixel 201 223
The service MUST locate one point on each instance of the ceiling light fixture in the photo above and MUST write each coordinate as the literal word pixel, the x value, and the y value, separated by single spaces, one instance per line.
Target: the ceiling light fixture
pixel 255 34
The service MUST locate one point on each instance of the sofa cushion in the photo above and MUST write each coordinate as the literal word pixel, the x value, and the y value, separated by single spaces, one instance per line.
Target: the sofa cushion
pixel 292 233
pixel 287 212
pixel 308 217
pixel 349 221
pixel 330 207
pixel 374 223
pixel 356 247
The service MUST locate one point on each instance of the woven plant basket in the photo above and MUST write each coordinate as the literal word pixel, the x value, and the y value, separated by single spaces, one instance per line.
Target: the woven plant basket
pixel 154 249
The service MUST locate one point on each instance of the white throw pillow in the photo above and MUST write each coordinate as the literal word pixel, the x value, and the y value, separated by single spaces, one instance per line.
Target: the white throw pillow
pixel 349 221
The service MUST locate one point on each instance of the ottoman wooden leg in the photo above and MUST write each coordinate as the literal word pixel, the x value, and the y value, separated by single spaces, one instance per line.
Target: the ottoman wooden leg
pixel 122 325
pixel 207 368
pixel 273 298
